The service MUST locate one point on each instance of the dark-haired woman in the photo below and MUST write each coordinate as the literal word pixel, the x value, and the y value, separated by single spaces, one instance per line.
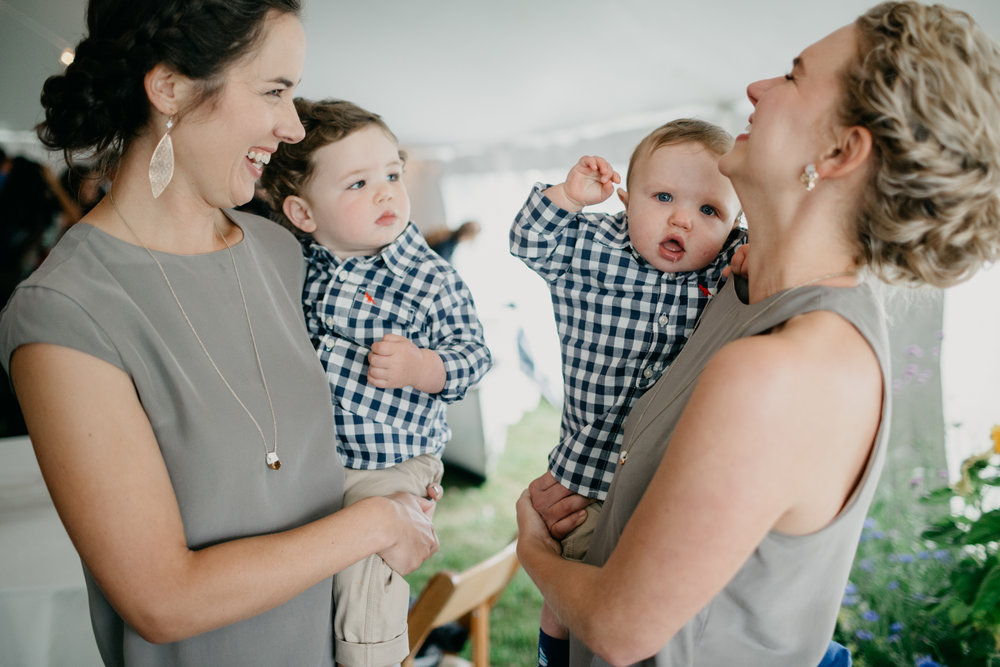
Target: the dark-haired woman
pixel 178 413
pixel 747 470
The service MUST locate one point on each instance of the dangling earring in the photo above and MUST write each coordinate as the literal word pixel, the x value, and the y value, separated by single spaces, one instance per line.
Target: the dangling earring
pixel 809 177
pixel 161 165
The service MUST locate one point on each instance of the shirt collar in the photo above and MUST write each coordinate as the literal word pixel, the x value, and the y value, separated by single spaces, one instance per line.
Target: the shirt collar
pixel 398 256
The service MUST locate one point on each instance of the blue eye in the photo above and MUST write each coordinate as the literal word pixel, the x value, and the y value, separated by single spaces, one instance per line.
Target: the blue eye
pixel 664 197
pixel 392 178
pixel 708 210
pixel 356 186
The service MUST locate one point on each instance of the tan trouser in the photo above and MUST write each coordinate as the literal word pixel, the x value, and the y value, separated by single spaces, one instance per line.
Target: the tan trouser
pixel 371 600
pixel 575 545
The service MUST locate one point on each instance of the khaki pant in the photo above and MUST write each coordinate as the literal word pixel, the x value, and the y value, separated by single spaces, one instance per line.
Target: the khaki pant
pixel 371 600
pixel 576 544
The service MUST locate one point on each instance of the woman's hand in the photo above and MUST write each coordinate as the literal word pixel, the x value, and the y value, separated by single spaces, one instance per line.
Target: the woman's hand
pixel 531 529
pixel 560 509
pixel 416 540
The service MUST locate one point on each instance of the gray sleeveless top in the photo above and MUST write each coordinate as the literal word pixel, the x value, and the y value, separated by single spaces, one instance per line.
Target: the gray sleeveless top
pixel 100 295
pixel 780 608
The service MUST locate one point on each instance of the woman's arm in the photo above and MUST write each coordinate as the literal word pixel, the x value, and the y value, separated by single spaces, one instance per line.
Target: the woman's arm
pixel 774 437
pixel 107 478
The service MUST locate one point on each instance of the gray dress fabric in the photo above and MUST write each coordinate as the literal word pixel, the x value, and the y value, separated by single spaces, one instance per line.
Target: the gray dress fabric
pixel 100 295
pixel 781 606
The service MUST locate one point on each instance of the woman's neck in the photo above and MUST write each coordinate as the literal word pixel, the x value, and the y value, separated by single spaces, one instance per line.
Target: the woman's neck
pixel 179 221
pixel 801 245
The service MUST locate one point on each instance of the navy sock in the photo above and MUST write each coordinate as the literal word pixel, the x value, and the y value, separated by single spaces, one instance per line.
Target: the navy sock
pixel 552 652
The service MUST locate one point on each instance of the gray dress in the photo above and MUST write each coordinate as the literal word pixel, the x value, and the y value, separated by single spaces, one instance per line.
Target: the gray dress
pixel 100 295
pixel 780 608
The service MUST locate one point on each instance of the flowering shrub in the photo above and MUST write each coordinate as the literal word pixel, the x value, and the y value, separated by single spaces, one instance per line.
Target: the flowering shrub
pixel 929 595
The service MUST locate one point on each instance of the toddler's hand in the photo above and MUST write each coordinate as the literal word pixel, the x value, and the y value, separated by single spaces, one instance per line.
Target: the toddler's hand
pixel 590 181
pixel 740 264
pixel 395 361
pixel 560 509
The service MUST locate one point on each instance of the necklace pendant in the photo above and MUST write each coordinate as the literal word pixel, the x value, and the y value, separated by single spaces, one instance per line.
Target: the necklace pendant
pixel 623 458
pixel 273 462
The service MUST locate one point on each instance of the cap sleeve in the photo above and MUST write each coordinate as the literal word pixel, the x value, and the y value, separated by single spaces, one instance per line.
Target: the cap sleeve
pixel 38 314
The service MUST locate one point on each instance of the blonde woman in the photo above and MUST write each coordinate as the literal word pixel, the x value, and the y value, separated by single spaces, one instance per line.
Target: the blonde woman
pixel 747 470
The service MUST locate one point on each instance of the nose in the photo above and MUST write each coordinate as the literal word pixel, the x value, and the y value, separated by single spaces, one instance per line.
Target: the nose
pixel 758 88
pixel 289 128
pixel 383 192
pixel 680 217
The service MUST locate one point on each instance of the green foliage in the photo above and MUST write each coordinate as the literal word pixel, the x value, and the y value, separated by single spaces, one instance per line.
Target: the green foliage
pixel 927 592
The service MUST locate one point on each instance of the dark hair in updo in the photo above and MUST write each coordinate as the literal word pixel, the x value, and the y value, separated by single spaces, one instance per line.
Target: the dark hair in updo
pixel 99 104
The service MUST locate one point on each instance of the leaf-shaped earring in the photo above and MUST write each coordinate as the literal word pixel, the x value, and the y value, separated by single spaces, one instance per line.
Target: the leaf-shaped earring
pixel 161 165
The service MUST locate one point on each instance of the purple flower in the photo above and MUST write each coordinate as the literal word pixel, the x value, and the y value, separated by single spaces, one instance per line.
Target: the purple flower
pixel 924 555
pixel 866 564
pixel 870 523
pixel 850 589
pixel 850 600
pixel 901 558
pixel 866 636
pixel 896 627
pixel 892 639
pixel 926 661
pixel 870 615
pixel 892 585
pixel 942 555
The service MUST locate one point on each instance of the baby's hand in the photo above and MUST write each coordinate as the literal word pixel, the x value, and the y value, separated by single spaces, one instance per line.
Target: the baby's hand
pixel 395 361
pixel 740 264
pixel 590 181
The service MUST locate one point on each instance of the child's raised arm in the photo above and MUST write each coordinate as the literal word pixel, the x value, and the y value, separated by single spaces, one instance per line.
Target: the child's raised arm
pixel 590 181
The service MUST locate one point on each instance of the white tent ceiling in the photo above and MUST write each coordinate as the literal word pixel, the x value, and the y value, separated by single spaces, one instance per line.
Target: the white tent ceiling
pixel 448 73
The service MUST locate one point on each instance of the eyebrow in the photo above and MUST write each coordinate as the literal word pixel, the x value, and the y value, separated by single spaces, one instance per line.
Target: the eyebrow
pixel 352 174
pixel 282 80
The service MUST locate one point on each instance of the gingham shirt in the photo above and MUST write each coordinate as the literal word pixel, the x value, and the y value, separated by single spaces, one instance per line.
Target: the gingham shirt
pixel 621 322
pixel 407 290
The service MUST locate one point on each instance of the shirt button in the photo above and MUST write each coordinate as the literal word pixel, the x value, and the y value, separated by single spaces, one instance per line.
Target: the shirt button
pixel 663 320
pixel 341 277
pixel 329 321
pixel 647 372
pixel 328 343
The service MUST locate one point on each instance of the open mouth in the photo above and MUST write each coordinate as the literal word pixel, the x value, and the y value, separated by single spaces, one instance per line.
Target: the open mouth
pixel 671 250
pixel 259 158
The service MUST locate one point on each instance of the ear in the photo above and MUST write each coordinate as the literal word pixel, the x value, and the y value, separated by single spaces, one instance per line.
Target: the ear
pixel 168 91
pixel 851 153
pixel 623 197
pixel 297 210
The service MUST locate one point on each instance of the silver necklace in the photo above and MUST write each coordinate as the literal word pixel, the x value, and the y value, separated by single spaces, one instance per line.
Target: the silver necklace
pixel 623 457
pixel 270 456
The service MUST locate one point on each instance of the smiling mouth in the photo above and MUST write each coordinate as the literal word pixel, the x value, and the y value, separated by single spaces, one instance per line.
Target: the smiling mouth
pixel 259 158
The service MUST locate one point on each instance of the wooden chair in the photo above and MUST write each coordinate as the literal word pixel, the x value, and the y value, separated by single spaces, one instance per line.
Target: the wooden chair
pixel 466 597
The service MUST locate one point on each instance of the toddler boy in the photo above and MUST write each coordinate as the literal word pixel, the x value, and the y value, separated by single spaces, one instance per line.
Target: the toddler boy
pixel 627 290
pixel 394 326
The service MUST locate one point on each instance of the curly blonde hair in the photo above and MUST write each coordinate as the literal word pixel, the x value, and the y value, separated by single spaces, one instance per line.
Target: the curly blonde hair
pixel 926 84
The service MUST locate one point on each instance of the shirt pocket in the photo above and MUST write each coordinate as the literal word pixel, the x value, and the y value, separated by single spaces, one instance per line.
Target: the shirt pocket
pixel 372 316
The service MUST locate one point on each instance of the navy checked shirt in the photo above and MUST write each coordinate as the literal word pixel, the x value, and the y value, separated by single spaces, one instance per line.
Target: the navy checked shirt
pixel 406 290
pixel 620 320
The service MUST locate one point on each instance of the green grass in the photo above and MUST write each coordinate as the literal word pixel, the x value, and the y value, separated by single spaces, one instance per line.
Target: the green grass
pixel 475 520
